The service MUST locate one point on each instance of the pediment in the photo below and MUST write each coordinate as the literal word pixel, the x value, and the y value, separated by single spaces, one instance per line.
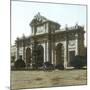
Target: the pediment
pixel 38 19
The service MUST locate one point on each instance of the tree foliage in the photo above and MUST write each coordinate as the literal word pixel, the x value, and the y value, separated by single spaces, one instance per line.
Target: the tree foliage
pixel 19 64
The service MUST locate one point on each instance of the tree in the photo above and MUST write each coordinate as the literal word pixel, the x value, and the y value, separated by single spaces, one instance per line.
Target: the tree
pixel 19 64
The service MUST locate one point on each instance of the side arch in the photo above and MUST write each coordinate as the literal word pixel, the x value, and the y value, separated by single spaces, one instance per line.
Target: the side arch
pixel 60 54
pixel 39 55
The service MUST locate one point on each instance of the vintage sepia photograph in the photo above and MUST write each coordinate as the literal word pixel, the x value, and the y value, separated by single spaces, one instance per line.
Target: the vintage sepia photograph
pixel 48 44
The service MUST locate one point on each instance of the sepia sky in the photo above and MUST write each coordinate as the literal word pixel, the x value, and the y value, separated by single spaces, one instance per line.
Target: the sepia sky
pixel 23 12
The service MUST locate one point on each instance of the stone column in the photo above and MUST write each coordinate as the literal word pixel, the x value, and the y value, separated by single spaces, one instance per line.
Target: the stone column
pixel 77 49
pixel 23 45
pixel 49 51
pixel 31 57
pixel 53 48
pixel 45 52
pixel 53 55
pixel 67 39
pixel 24 53
pixel 33 54
pixel 65 56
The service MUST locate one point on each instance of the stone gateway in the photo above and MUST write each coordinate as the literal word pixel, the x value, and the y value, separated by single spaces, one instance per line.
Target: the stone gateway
pixel 49 43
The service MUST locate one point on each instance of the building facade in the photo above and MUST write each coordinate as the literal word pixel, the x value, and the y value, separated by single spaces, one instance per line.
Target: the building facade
pixel 49 43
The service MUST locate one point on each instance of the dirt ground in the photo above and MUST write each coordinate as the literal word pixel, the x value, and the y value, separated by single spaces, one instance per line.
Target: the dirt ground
pixel 34 79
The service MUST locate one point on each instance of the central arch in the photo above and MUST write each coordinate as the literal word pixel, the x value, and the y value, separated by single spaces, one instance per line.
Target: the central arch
pixel 39 55
pixel 59 54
